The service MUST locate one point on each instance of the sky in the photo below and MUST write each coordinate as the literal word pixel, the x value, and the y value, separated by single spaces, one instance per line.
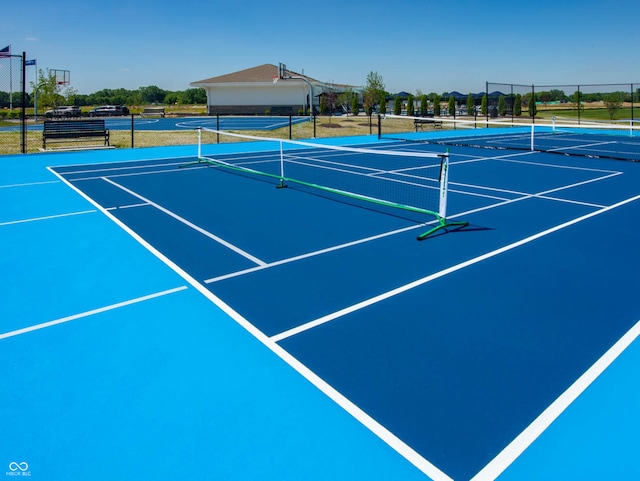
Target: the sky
pixel 417 46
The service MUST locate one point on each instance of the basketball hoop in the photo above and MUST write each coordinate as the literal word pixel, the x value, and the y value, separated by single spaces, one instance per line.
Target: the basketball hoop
pixel 275 78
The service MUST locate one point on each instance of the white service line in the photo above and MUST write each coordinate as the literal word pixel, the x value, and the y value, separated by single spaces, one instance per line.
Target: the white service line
pixel 81 315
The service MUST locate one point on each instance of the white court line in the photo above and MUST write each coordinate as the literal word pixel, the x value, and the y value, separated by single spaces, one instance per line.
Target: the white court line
pixel 47 217
pixel 92 312
pixel 29 184
pixel 509 454
pixel 202 231
pixel 399 290
pixel 129 206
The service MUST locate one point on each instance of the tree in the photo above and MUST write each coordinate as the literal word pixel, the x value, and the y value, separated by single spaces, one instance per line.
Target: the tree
pixel 374 87
pixel 532 105
pixel 397 105
pixel 383 103
pixel 47 90
pixel 517 106
pixel 502 106
pixel 424 105
pixel 355 106
pixel 345 99
pixel 152 94
pixel 436 105
pixel 613 103
pixel 484 105
pixel 452 105
pixel 471 105
pixel 411 110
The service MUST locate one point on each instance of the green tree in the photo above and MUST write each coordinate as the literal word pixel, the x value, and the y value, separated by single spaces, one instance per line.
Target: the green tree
pixel 613 103
pixel 355 106
pixel 436 105
pixel 517 106
pixel 397 105
pixel 345 99
pixel 502 106
pixel 194 96
pixel 452 105
pixel 532 105
pixel 424 105
pixel 411 109
pixel 484 105
pixel 152 94
pixel 471 105
pixel 47 90
pixel 374 86
pixel 382 103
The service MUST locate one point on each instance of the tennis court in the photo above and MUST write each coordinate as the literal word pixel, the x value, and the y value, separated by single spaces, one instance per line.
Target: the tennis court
pixel 167 316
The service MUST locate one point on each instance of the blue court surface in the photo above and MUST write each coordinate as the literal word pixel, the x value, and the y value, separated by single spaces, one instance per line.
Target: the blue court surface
pixel 163 321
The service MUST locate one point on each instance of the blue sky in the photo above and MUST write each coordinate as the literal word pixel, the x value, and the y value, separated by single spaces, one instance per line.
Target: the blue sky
pixel 430 46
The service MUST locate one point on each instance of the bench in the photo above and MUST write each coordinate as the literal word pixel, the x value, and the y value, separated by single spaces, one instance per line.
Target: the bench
pixel 74 131
pixel 420 123
pixel 159 111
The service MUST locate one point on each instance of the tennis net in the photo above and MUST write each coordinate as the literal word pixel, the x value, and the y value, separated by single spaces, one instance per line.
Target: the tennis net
pixel 619 140
pixel 411 181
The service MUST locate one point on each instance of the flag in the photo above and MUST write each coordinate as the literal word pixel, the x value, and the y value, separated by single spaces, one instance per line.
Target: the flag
pixel 30 62
pixel 5 52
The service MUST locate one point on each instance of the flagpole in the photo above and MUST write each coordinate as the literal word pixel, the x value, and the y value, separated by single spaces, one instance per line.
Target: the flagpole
pixel 35 97
pixel 10 81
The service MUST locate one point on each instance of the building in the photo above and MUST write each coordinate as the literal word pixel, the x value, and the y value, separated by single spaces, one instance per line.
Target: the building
pixel 266 89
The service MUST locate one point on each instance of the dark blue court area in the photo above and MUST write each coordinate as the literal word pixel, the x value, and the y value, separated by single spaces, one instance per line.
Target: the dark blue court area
pixel 166 317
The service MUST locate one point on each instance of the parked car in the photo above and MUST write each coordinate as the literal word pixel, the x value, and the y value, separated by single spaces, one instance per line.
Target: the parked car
pixel 109 111
pixel 64 111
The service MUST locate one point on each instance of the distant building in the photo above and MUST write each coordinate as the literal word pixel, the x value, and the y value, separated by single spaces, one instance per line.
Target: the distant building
pixel 265 89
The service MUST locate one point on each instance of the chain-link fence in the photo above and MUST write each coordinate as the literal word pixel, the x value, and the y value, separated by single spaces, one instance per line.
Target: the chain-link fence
pixel 135 131
pixel 606 102
pixel 12 124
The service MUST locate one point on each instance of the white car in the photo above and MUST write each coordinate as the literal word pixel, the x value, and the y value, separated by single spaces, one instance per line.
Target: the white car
pixel 68 112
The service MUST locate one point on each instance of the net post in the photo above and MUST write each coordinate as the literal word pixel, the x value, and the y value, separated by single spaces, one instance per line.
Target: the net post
pixel 281 185
pixel 379 126
pixel 443 224
pixel 199 158
pixel 444 178
pixel 199 142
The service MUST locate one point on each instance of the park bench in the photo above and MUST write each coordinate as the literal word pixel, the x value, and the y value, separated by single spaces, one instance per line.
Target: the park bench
pixel 74 131
pixel 151 111
pixel 420 123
